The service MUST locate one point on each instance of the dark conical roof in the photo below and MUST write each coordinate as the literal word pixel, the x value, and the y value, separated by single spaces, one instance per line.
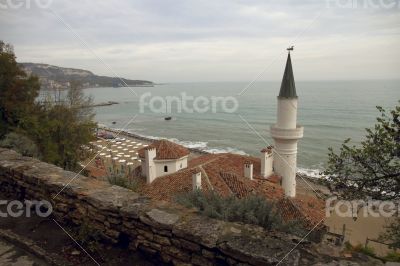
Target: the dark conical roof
pixel 288 87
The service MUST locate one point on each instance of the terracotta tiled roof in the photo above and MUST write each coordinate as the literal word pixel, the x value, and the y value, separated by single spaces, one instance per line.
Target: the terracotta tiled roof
pixel 165 150
pixel 239 187
pixel 274 179
pixel 308 209
pixel 223 173
pixel 168 187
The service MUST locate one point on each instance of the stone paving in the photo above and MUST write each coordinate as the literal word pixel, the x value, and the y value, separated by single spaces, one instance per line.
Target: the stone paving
pixel 11 255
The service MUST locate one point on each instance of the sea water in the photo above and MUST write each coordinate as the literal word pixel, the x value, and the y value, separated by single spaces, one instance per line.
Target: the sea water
pixel 330 111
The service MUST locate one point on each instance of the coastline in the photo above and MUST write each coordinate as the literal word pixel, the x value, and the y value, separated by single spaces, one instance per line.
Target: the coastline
pixel 307 185
pixel 194 151
pixel 302 174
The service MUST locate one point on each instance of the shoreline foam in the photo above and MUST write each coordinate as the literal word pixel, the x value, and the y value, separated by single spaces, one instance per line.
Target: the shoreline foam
pixel 200 148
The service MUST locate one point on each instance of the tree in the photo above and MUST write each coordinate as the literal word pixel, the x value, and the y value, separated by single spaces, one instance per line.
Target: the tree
pixel 58 129
pixel 373 168
pixel 65 126
pixel 18 92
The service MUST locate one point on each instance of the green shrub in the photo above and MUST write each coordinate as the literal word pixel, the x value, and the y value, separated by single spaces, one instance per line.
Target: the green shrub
pixel 393 257
pixel 365 250
pixel 250 210
pixel 20 143
pixel 123 181
pixel 87 236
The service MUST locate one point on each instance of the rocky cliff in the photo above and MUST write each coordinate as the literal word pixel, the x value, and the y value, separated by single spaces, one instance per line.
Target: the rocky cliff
pixel 59 77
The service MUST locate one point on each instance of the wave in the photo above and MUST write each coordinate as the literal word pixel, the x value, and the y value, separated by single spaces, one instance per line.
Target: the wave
pixel 314 173
pixel 226 150
pixel 203 146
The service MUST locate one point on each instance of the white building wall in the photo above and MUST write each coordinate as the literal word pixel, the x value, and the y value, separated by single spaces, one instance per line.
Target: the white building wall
pixel 160 164
pixel 172 165
pixel 152 169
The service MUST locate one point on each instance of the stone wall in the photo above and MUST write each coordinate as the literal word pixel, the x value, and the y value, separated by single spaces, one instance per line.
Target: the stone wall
pixel 168 232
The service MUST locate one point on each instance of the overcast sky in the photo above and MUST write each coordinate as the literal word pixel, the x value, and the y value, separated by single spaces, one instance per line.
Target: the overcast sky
pixel 209 40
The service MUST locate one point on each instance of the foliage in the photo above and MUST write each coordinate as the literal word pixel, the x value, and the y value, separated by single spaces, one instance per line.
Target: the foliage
pixel 372 170
pixel 18 92
pixel 251 210
pixel 123 181
pixel 88 236
pixel 392 234
pixel 20 143
pixel 58 128
pixel 65 126
pixel 365 250
pixel 393 257
pixel 359 248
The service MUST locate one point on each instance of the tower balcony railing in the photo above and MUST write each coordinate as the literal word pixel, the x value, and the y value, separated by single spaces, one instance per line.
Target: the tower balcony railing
pixel 282 133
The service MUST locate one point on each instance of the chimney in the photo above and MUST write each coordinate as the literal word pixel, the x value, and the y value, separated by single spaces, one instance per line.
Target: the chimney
pixel 248 170
pixel 267 161
pixel 196 177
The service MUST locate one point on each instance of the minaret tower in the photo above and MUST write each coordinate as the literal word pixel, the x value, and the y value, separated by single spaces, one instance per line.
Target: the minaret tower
pixel 286 132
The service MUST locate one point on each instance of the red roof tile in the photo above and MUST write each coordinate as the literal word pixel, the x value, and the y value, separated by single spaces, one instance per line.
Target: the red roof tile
pixel 308 209
pixel 223 173
pixel 165 150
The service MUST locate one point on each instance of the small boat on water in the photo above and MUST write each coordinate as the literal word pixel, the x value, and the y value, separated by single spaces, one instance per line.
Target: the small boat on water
pixel 167 118
pixel 114 122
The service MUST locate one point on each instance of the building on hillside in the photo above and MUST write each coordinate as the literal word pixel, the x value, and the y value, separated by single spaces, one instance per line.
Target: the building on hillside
pixel 225 173
pixel 235 175
pixel 161 158
pixel 164 157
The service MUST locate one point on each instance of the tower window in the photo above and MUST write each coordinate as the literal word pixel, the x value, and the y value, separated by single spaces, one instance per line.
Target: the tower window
pixel 165 169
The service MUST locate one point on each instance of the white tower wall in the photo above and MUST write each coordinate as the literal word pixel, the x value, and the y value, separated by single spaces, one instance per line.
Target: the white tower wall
pixel 150 168
pixel 287 113
pixel 286 132
pixel 286 136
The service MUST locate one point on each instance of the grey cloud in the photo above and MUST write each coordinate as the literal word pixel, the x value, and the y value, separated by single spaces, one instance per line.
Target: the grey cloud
pixel 151 34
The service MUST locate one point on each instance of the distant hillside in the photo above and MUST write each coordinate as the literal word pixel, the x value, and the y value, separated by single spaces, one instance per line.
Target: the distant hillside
pixel 59 77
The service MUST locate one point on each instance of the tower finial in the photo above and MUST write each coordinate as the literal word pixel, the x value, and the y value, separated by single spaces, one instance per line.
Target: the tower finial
pixel 288 86
pixel 291 48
